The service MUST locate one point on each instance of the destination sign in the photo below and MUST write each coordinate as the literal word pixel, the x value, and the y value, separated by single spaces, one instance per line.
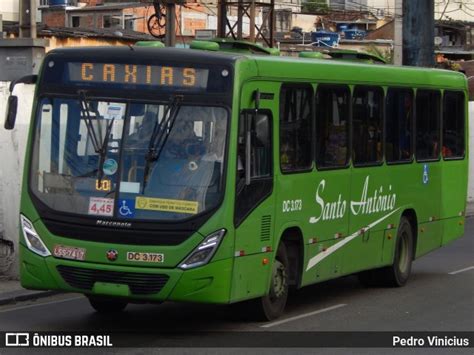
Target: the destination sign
pixel 135 74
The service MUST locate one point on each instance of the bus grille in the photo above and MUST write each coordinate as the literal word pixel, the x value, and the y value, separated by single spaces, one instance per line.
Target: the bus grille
pixel 139 283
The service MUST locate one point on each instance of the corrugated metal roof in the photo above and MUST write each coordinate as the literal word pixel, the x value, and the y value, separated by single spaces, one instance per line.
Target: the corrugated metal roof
pixel 111 33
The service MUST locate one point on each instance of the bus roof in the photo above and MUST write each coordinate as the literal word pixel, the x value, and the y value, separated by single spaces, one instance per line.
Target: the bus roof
pixel 146 53
pixel 356 72
pixel 284 68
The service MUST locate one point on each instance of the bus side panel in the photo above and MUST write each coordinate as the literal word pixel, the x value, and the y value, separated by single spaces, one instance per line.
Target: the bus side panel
pixel 454 194
pixel 365 251
pixel 328 268
pixel 326 211
pixel 429 237
pixel 428 179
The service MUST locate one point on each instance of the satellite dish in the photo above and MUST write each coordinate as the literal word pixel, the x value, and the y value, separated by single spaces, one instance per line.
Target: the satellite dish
pixel 438 40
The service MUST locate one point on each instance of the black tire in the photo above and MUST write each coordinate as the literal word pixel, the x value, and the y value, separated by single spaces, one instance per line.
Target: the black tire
pixel 397 274
pixel 272 305
pixel 107 305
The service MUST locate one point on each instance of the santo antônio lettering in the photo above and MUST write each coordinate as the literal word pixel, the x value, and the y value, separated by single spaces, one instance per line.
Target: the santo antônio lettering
pixel 137 74
pixel 369 203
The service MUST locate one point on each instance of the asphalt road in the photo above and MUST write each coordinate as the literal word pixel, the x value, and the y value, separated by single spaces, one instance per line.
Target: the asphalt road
pixel 438 297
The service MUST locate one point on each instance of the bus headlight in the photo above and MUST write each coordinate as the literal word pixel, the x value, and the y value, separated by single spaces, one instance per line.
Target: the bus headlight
pixel 32 239
pixel 204 251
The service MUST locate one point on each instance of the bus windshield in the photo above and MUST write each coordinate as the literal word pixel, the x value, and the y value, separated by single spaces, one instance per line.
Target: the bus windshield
pixel 128 160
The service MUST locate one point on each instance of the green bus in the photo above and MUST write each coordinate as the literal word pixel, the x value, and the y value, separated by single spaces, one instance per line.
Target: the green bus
pixel 213 176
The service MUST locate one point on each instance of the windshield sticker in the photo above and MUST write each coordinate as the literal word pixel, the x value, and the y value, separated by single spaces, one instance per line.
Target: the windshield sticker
pixel 111 110
pixel 130 187
pixel 110 167
pixel 126 208
pixel 65 252
pixel 101 206
pixel 166 205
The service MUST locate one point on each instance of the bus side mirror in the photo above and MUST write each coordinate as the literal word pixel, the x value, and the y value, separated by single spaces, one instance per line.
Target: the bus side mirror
pixel 12 107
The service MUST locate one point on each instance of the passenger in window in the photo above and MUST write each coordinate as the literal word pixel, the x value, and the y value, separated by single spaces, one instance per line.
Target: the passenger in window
pixel 140 138
pixel 405 134
pixel 447 152
pixel 287 157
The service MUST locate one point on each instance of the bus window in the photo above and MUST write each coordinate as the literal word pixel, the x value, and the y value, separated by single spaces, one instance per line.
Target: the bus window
pixel 260 143
pixel 367 125
pixel 399 125
pixel 427 124
pixel 261 182
pixel 453 124
pixel 332 126
pixel 295 128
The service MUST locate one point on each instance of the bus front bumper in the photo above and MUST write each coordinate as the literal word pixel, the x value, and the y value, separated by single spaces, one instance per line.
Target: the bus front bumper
pixel 210 283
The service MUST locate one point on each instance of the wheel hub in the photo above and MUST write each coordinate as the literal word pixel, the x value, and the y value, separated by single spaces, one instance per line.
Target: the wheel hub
pixel 279 280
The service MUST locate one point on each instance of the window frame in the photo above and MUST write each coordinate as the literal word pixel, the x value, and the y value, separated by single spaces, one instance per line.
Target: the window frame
pixel 464 125
pixel 269 113
pixel 382 160
pixel 412 138
pixel 349 128
pixel 304 85
pixel 440 125
pixel 270 179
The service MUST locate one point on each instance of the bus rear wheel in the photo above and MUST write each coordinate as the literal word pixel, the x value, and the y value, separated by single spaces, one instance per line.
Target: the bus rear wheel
pixel 107 305
pixel 272 305
pixel 397 274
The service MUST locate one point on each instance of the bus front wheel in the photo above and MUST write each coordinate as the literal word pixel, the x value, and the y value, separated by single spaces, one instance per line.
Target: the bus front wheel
pixel 107 305
pixel 397 274
pixel 272 305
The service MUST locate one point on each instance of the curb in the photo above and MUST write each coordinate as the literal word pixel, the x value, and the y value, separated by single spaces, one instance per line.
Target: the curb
pixel 23 295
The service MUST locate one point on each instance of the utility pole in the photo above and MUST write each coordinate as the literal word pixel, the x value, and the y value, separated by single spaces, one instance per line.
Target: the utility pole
pixel 252 21
pixel 170 34
pixel 27 19
pixel 418 33
pixel 398 33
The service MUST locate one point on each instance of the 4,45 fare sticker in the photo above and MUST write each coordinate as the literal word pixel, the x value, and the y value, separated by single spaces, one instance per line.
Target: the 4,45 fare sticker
pixel 101 206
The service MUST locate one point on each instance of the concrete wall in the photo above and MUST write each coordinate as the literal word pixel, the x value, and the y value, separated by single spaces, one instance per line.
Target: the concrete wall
pixel 12 152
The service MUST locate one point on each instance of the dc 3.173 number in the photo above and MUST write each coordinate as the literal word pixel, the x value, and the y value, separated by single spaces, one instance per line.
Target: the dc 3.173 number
pixel 292 205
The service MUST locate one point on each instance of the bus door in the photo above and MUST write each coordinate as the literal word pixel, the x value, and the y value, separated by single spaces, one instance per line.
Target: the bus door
pixel 329 193
pixel 254 200
pixel 370 185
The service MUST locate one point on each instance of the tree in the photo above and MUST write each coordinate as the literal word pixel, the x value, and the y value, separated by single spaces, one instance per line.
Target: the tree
pixel 315 6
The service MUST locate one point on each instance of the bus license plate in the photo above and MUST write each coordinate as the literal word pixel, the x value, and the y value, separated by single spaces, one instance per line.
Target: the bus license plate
pixel 65 252
pixel 146 257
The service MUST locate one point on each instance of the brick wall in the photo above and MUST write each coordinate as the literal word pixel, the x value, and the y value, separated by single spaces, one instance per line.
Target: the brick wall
pixel 93 2
pixel 54 17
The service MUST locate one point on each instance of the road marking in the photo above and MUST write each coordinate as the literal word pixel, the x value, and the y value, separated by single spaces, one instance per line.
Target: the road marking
pixel 268 325
pixel 462 270
pixel 39 304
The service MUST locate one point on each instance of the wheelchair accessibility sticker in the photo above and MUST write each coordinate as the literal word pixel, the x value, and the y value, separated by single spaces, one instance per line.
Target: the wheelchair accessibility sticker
pixel 426 174
pixel 126 208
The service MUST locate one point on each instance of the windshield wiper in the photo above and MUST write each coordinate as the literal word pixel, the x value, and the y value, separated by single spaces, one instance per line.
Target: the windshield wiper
pixel 160 134
pixel 99 144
